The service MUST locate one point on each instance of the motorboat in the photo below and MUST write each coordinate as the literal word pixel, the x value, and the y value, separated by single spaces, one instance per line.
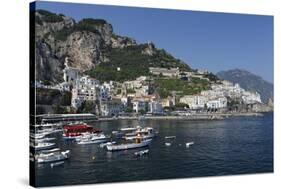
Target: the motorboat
pixel 188 144
pixel 44 145
pixel 170 137
pixel 144 133
pixel 45 139
pixel 167 144
pixel 127 129
pixel 138 144
pixel 94 139
pixel 76 130
pixel 37 135
pixel 54 156
pixel 102 145
pixel 118 134
pixel 99 138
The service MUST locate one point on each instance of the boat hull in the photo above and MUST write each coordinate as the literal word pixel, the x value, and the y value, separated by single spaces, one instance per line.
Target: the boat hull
pixel 128 146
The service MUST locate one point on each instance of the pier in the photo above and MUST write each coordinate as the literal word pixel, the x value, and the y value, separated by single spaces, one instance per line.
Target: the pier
pixel 56 118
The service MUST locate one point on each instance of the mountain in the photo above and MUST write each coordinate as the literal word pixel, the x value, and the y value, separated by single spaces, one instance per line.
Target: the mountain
pixel 93 48
pixel 249 81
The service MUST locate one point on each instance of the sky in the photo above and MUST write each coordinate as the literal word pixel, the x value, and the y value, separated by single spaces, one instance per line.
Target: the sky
pixel 204 40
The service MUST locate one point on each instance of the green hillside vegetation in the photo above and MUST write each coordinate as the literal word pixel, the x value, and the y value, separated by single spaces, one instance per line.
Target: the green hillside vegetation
pixel 48 17
pixel 133 63
pixel 164 86
pixel 52 96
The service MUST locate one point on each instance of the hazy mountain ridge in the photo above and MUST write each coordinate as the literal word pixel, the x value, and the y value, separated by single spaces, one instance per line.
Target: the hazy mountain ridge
pixel 249 81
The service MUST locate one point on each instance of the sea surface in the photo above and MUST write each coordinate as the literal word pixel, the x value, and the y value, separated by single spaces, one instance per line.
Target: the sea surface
pixel 236 145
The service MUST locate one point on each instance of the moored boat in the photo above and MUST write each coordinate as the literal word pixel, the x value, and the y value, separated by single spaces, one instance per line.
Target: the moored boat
pixel 37 135
pixel 170 137
pixel 138 144
pixel 144 133
pixel 93 139
pixel 53 156
pixel 75 131
pixel 102 145
pixel 44 145
pixel 188 144
pixel 126 129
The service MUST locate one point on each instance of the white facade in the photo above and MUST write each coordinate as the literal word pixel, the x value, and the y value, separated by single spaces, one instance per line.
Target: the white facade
pixel 251 98
pixel 80 95
pixel 111 107
pixel 70 74
pixel 194 101
pixel 172 72
pixel 155 107
pixel 139 105
pixel 217 103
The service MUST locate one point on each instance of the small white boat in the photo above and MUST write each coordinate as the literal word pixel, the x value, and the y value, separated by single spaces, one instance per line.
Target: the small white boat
pixel 99 138
pixel 44 145
pixel 189 144
pixel 144 133
pixel 37 135
pixel 45 139
pixel 49 151
pixel 53 157
pixel 102 145
pixel 89 142
pixel 139 144
pixel 142 152
pixel 167 144
pixel 170 137
pixel 56 164
pixel 93 139
pixel 129 129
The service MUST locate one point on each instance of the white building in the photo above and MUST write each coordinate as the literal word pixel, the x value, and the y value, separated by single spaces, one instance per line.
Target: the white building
pixel 81 95
pixel 194 101
pixel 218 103
pixel 70 74
pixel 143 91
pixel 111 107
pixel 155 107
pixel 251 97
pixel 172 72
pixel 85 89
pixel 140 105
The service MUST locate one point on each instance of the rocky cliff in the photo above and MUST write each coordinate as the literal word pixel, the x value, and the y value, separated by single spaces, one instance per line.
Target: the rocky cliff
pixel 87 44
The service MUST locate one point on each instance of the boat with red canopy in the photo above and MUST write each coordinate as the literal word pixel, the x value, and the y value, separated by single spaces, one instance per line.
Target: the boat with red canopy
pixel 76 130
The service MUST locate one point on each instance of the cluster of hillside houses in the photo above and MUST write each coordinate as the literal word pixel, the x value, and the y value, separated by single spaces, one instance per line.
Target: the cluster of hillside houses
pixel 114 97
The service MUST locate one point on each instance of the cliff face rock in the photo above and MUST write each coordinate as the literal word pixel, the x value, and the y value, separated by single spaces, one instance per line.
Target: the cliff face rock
pixel 45 24
pixel 249 81
pixel 87 44
pixel 121 42
pixel 149 50
pixel 83 48
pixel 58 36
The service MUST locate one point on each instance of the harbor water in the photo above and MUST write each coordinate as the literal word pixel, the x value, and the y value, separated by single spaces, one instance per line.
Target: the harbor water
pixel 236 145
